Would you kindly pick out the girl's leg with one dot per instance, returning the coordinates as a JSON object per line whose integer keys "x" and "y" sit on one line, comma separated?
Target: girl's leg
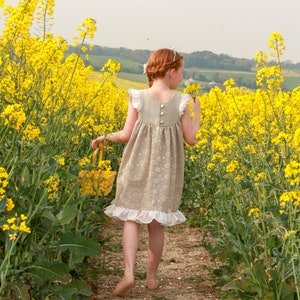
{"x": 155, "y": 250}
{"x": 130, "y": 246}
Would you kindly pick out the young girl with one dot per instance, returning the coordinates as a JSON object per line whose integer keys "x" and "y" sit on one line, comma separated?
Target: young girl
{"x": 150, "y": 177}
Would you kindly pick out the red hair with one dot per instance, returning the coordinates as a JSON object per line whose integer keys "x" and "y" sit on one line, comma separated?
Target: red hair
{"x": 160, "y": 62}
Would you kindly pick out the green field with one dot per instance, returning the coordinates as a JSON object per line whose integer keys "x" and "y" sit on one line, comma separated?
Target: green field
{"x": 125, "y": 84}
{"x": 100, "y": 60}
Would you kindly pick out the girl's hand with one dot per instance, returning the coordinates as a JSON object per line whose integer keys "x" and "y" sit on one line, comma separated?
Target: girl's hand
{"x": 97, "y": 141}
{"x": 196, "y": 105}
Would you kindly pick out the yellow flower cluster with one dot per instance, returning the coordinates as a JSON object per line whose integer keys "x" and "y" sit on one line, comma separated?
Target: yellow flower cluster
{"x": 229, "y": 83}
{"x": 60, "y": 160}
{"x": 30, "y": 133}
{"x": 254, "y": 212}
{"x": 15, "y": 225}
{"x": 110, "y": 68}
{"x": 52, "y": 186}
{"x": 292, "y": 197}
{"x": 9, "y": 204}
{"x": 276, "y": 43}
{"x": 192, "y": 89}
{"x": 45, "y": 7}
{"x": 232, "y": 166}
{"x": 3, "y": 184}
{"x": 3, "y": 180}
{"x": 270, "y": 76}
{"x": 292, "y": 172}
{"x": 86, "y": 29}
{"x": 105, "y": 165}
{"x": 84, "y": 161}
{"x": 14, "y": 116}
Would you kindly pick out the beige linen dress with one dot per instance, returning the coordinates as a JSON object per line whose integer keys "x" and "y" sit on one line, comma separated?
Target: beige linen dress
{"x": 150, "y": 177}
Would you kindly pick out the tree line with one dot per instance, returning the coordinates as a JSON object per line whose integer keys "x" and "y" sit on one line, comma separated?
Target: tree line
{"x": 198, "y": 59}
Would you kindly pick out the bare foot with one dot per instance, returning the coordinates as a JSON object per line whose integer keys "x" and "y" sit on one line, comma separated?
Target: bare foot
{"x": 152, "y": 283}
{"x": 124, "y": 287}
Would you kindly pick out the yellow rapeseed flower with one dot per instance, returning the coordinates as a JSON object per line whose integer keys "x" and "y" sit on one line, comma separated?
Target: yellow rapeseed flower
{"x": 9, "y": 204}
{"x": 23, "y": 217}
{"x": 14, "y": 116}
{"x": 276, "y": 43}
{"x": 30, "y": 132}
{"x": 105, "y": 165}
{"x": 292, "y": 197}
{"x": 11, "y": 220}
{"x": 87, "y": 28}
{"x": 193, "y": 89}
{"x": 24, "y": 228}
{"x": 254, "y": 212}
{"x": 238, "y": 178}
{"x": 5, "y": 227}
{"x": 13, "y": 236}
{"x": 232, "y": 166}
{"x": 84, "y": 161}
{"x": 261, "y": 58}
{"x": 110, "y": 68}
{"x": 210, "y": 166}
{"x": 193, "y": 158}
{"x": 15, "y": 225}
{"x": 53, "y": 186}
{"x": 292, "y": 172}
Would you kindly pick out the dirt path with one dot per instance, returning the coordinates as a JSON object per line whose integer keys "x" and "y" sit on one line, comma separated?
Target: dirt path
{"x": 185, "y": 271}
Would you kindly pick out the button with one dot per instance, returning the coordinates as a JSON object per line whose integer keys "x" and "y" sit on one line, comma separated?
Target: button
{"x": 162, "y": 113}
{"x": 161, "y": 121}
{"x": 162, "y": 106}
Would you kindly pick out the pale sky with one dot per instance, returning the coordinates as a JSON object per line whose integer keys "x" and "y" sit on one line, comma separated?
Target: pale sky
{"x": 238, "y": 28}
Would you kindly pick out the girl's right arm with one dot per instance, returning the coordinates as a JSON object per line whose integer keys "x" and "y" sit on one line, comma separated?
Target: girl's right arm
{"x": 121, "y": 136}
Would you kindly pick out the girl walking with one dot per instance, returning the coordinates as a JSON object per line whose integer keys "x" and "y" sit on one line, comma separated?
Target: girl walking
{"x": 150, "y": 177}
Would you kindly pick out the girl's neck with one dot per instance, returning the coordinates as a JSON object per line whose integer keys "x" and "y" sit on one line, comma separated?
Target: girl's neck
{"x": 160, "y": 91}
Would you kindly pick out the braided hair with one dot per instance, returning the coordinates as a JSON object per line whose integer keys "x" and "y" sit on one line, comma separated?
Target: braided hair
{"x": 160, "y": 62}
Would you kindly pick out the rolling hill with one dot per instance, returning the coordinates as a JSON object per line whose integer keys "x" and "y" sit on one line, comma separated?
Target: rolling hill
{"x": 203, "y": 67}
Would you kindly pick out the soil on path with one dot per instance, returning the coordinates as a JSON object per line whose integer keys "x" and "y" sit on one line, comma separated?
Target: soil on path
{"x": 185, "y": 271}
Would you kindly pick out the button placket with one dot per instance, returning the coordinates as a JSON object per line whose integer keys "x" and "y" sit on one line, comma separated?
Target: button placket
{"x": 162, "y": 113}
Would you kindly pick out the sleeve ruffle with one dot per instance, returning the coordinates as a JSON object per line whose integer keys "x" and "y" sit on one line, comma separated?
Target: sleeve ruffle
{"x": 185, "y": 98}
{"x": 135, "y": 98}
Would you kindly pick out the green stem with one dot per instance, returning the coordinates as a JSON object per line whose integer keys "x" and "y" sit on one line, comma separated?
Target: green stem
{"x": 5, "y": 265}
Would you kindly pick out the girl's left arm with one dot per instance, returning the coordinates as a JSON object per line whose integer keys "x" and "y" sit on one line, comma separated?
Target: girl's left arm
{"x": 190, "y": 127}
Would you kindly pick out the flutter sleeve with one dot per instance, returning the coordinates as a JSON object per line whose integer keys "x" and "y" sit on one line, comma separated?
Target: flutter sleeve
{"x": 135, "y": 98}
{"x": 185, "y": 98}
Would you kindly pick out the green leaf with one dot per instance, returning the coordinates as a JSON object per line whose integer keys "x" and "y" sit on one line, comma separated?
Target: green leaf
{"x": 76, "y": 241}
{"x": 49, "y": 215}
{"x": 25, "y": 177}
{"x": 67, "y": 215}
{"x": 75, "y": 287}
{"x": 250, "y": 243}
{"x": 288, "y": 292}
{"x": 79, "y": 246}
{"x": 57, "y": 272}
{"x": 274, "y": 274}
{"x": 3, "y": 204}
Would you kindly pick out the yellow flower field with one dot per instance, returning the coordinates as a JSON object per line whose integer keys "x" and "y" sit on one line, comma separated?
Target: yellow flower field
{"x": 241, "y": 178}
